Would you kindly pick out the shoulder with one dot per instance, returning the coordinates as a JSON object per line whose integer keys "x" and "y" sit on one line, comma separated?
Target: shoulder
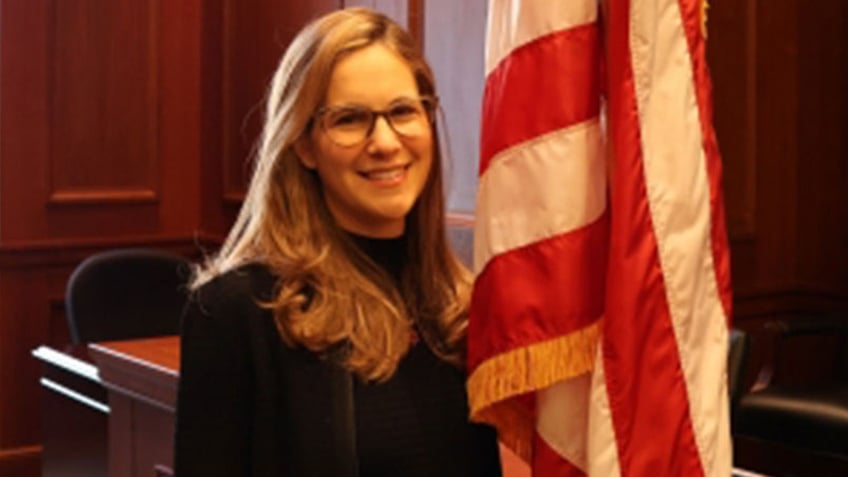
{"x": 225, "y": 317}
{"x": 241, "y": 288}
{"x": 230, "y": 305}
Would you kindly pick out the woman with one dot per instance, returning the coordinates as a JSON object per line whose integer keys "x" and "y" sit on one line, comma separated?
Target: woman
{"x": 326, "y": 338}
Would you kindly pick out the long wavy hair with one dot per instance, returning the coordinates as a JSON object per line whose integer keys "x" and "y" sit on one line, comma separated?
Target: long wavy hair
{"x": 330, "y": 297}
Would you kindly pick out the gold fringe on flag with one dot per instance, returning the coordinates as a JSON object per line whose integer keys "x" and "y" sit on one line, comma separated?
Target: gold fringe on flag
{"x": 704, "y": 7}
{"x": 525, "y": 370}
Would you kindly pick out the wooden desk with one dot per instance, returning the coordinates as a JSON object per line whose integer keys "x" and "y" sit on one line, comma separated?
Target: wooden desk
{"x": 141, "y": 377}
{"x": 75, "y": 414}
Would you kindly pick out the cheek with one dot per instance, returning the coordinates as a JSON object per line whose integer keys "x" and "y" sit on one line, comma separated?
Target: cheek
{"x": 333, "y": 162}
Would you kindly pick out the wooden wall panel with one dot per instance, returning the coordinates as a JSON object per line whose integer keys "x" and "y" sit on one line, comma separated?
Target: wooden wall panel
{"x": 777, "y": 143}
{"x": 25, "y": 295}
{"x": 100, "y": 123}
{"x": 24, "y": 146}
{"x": 99, "y": 148}
{"x": 215, "y": 218}
{"x": 733, "y": 24}
{"x": 178, "y": 106}
{"x": 822, "y": 164}
{"x": 103, "y": 115}
{"x": 24, "y": 136}
{"x": 242, "y": 42}
{"x": 255, "y": 34}
{"x": 780, "y": 115}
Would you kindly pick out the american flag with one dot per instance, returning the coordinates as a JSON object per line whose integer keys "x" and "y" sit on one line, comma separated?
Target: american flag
{"x": 598, "y": 331}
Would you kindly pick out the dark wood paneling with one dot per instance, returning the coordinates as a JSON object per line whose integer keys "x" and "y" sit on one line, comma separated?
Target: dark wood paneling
{"x": 100, "y": 119}
{"x": 24, "y": 136}
{"x": 24, "y": 308}
{"x": 254, "y": 36}
{"x": 777, "y": 144}
{"x": 103, "y": 114}
{"x": 99, "y": 148}
{"x": 179, "y": 110}
{"x": 733, "y": 26}
{"x": 215, "y": 217}
{"x": 780, "y": 114}
{"x": 822, "y": 154}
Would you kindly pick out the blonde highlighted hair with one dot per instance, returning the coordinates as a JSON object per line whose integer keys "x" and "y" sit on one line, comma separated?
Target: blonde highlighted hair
{"x": 329, "y": 295}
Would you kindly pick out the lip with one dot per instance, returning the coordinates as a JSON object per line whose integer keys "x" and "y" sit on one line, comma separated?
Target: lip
{"x": 386, "y": 176}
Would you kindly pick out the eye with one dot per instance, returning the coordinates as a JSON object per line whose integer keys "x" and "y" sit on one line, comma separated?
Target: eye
{"x": 348, "y": 118}
{"x": 405, "y": 111}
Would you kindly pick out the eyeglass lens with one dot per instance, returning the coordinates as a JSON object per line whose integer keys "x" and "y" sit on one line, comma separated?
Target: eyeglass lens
{"x": 351, "y": 125}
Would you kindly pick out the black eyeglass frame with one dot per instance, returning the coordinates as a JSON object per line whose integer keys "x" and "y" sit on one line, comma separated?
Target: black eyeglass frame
{"x": 430, "y": 105}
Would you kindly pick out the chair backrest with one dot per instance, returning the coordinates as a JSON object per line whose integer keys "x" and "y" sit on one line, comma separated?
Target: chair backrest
{"x": 126, "y": 293}
{"x": 737, "y": 361}
{"x": 828, "y": 334}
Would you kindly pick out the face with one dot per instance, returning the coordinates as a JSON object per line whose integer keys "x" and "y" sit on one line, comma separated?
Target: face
{"x": 371, "y": 186}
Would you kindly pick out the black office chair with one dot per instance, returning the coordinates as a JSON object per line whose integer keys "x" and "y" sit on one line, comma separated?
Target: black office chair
{"x": 737, "y": 363}
{"x": 808, "y": 417}
{"x": 126, "y": 293}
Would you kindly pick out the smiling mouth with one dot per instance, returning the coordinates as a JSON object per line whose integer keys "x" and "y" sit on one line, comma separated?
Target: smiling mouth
{"x": 383, "y": 175}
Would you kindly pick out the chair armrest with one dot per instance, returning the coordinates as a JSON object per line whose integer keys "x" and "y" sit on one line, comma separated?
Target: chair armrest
{"x": 777, "y": 332}
{"x": 824, "y": 325}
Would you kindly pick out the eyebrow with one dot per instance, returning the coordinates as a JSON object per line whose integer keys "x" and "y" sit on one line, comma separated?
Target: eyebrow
{"x": 361, "y": 105}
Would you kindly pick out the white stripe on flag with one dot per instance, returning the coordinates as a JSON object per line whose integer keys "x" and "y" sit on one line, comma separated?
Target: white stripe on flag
{"x": 541, "y": 188}
{"x": 528, "y": 20}
{"x": 562, "y": 420}
{"x": 601, "y": 448}
{"x": 679, "y": 198}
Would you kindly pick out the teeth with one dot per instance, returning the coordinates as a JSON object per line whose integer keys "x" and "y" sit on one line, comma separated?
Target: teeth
{"x": 385, "y": 175}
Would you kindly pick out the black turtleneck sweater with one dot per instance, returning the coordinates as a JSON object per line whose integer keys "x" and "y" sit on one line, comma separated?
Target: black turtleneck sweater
{"x": 416, "y": 422}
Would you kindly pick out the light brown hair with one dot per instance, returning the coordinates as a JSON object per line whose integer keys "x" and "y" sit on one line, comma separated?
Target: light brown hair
{"x": 330, "y": 296}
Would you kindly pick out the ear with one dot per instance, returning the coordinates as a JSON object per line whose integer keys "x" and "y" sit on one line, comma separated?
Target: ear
{"x": 304, "y": 149}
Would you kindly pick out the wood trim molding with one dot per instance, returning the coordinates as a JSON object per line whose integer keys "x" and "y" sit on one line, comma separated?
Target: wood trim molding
{"x": 37, "y": 253}
{"x": 103, "y": 197}
{"x": 23, "y": 460}
{"x": 786, "y": 302}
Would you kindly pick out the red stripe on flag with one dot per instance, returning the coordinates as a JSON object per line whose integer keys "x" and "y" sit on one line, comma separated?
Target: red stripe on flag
{"x": 547, "y": 462}
{"x": 547, "y": 84}
{"x": 541, "y": 291}
{"x": 691, "y": 11}
{"x": 645, "y": 383}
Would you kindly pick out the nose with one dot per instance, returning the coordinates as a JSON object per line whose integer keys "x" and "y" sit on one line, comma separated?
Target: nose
{"x": 384, "y": 140}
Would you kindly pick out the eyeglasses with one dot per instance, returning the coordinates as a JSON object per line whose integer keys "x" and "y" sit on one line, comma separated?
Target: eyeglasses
{"x": 349, "y": 126}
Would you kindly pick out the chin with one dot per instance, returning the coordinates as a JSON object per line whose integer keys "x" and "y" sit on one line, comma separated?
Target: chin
{"x": 397, "y": 214}
{"x": 393, "y": 213}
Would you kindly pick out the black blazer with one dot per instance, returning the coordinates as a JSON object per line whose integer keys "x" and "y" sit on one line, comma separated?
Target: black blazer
{"x": 248, "y": 405}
